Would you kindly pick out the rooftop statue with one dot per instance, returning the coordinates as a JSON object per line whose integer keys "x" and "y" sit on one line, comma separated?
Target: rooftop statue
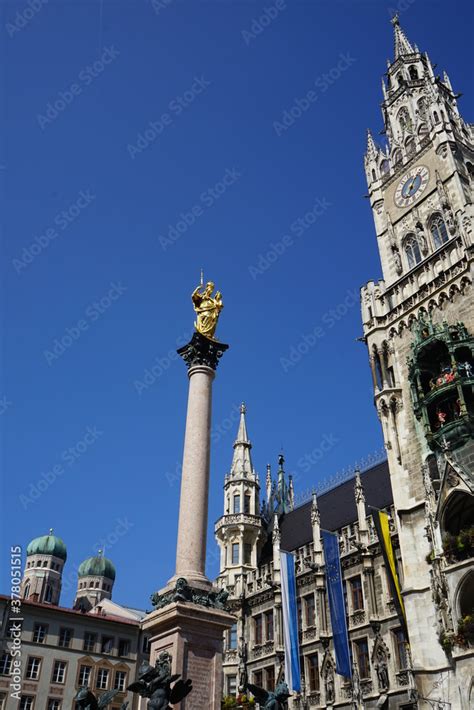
{"x": 156, "y": 683}
{"x": 269, "y": 700}
{"x": 207, "y": 307}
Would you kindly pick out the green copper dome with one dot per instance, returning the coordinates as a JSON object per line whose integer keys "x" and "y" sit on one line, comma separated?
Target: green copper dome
{"x": 98, "y": 566}
{"x": 47, "y": 545}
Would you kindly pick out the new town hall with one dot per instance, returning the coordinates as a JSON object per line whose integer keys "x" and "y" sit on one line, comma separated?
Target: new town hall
{"x": 418, "y": 324}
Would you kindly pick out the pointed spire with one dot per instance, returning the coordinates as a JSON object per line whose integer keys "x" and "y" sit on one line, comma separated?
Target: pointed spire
{"x": 241, "y": 460}
{"x": 446, "y": 81}
{"x": 402, "y": 45}
{"x": 268, "y": 481}
{"x": 291, "y": 492}
{"x": 315, "y": 516}
{"x": 372, "y": 149}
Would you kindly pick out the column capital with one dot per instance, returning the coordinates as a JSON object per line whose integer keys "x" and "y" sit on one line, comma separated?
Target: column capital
{"x": 202, "y": 351}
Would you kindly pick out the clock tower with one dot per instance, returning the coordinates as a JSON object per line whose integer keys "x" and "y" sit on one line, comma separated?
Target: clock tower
{"x": 419, "y": 329}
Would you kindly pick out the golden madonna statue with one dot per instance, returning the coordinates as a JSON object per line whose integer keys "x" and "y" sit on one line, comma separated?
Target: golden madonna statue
{"x": 207, "y": 309}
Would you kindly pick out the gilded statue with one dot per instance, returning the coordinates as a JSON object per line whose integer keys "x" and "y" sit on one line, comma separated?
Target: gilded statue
{"x": 208, "y": 308}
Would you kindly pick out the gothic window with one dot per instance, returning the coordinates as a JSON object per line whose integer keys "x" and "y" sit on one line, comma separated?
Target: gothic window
{"x": 310, "y": 610}
{"x": 378, "y": 367}
{"x": 374, "y": 175}
{"x": 269, "y": 625}
{"x": 384, "y": 167}
{"x": 412, "y": 251}
{"x": 233, "y": 636}
{"x": 404, "y": 119}
{"x": 313, "y": 672}
{"x": 27, "y": 591}
{"x": 400, "y": 649}
{"x": 412, "y": 70}
{"x": 362, "y": 650}
{"x": 423, "y": 130}
{"x": 466, "y": 595}
{"x": 435, "y": 117}
{"x": 247, "y": 553}
{"x": 397, "y": 156}
{"x": 410, "y": 146}
{"x": 357, "y": 596}
{"x": 400, "y": 79}
{"x": 237, "y": 504}
{"x": 438, "y": 230}
{"x": 458, "y": 514}
{"x": 258, "y": 627}
{"x": 247, "y": 500}
{"x": 235, "y": 553}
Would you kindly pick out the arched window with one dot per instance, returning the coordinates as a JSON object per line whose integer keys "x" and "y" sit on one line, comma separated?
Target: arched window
{"x": 401, "y": 79}
{"x": 438, "y": 230}
{"x": 410, "y": 146}
{"x": 436, "y": 117}
{"x": 48, "y": 595}
{"x": 413, "y": 72}
{"x": 374, "y": 175}
{"x": 27, "y": 591}
{"x": 422, "y": 107}
{"x": 385, "y": 167}
{"x": 404, "y": 119}
{"x": 412, "y": 250}
{"x": 397, "y": 156}
{"x": 423, "y": 130}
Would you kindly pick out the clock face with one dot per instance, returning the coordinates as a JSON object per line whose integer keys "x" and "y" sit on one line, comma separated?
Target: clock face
{"x": 411, "y": 186}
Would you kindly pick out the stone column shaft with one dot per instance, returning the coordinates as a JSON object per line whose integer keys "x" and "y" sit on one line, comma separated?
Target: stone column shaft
{"x": 193, "y": 507}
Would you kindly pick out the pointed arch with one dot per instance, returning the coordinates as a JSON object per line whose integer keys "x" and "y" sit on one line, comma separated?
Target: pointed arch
{"x": 412, "y": 250}
{"x": 439, "y": 232}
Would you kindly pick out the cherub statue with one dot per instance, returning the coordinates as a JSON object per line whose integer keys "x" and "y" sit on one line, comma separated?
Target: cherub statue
{"x": 155, "y": 683}
{"x": 86, "y": 699}
{"x": 208, "y": 308}
{"x": 271, "y": 700}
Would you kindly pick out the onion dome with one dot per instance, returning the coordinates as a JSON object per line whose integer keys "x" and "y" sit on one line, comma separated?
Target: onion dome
{"x": 98, "y": 566}
{"x": 47, "y": 545}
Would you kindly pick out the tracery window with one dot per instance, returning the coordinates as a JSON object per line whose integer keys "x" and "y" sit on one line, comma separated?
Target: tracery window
{"x": 438, "y": 230}
{"x": 412, "y": 251}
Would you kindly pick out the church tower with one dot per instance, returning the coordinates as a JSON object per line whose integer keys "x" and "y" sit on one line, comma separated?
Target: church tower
{"x": 45, "y": 559}
{"x": 239, "y": 530}
{"x": 419, "y": 329}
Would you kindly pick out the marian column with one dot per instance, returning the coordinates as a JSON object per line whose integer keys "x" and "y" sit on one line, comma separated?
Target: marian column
{"x": 187, "y": 625}
{"x": 201, "y": 356}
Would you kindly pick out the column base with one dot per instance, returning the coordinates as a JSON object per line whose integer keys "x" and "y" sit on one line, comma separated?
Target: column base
{"x": 193, "y": 635}
{"x": 197, "y": 581}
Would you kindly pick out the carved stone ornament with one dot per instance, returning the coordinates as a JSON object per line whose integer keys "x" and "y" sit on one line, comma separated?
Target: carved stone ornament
{"x": 202, "y": 351}
{"x": 182, "y": 592}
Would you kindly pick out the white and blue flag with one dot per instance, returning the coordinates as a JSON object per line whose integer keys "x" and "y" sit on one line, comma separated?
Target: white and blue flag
{"x": 290, "y": 621}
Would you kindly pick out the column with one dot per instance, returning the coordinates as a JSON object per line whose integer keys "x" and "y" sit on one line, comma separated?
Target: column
{"x": 201, "y": 357}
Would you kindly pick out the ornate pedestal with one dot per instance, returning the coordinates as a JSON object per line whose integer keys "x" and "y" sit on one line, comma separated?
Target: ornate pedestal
{"x": 192, "y": 634}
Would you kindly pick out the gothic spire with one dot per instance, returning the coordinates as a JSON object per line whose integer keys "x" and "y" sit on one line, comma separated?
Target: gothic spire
{"x": 402, "y": 45}
{"x": 372, "y": 149}
{"x": 241, "y": 460}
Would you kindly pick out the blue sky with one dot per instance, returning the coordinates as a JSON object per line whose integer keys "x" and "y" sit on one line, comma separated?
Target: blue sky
{"x": 142, "y": 141}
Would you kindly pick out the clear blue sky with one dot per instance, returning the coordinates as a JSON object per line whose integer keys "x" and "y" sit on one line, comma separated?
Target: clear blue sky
{"x": 90, "y": 209}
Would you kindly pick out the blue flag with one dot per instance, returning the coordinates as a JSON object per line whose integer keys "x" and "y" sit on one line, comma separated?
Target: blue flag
{"x": 336, "y": 603}
{"x": 290, "y": 621}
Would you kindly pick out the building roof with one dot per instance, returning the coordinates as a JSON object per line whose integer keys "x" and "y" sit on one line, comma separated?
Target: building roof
{"x": 47, "y": 545}
{"x": 337, "y": 507}
{"x": 90, "y": 616}
{"x": 98, "y": 566}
